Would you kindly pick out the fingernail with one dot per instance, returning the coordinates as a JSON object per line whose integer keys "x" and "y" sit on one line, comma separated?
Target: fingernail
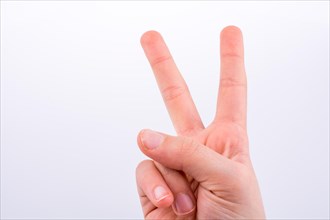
{"x": 160, "y": 193}
{"x": 183, "y": 203}
{"x": 151, "y": 139}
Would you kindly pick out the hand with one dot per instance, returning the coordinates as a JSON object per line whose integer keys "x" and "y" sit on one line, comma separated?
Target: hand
{"x": 204, "y": 173}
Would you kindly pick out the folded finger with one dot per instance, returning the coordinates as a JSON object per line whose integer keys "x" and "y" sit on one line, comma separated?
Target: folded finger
{"x": 153, "y": 190}
{"x": 184, "y": 200}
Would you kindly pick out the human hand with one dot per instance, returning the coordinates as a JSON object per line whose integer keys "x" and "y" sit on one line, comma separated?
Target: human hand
{"x": 204, "y": 173}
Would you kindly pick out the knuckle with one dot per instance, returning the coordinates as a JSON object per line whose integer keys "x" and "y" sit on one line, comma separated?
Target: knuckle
{"x": 231, "y": 82}
{"x": 160, "y": 60}
{"x": 185, "y": 144}
{"x": 188, "y": 148}
{"x": 233, "y": 54}
{"x": 173, "y": 92}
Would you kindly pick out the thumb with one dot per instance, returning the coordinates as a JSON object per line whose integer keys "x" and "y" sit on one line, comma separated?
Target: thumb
{"x": 184, "y": 154}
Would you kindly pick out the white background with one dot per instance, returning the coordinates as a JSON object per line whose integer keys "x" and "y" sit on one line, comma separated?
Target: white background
{"x": 76, "y": 89}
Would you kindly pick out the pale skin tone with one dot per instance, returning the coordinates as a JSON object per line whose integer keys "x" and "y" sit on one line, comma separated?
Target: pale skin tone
{"x": 204, "y": 172}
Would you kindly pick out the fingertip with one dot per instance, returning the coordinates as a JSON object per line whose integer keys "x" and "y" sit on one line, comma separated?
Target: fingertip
{"x": 138, "y": 137}
{"x": 151, "y": 184}
{"x": 143, "y": 139}
{"x": 150, "y": 37}
{"x": 150, "y": 139}
{"x": 184, "y": 205}
{"x": 231, "y": 43}
{"x": 231, "y": 30}
{"x": 165, "y": 201}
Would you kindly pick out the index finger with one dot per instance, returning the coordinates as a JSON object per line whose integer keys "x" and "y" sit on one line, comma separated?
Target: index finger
{"x": 172, "y": 86}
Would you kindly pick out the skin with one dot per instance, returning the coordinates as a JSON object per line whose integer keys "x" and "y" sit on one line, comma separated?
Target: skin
{"x": 204, "y": 172}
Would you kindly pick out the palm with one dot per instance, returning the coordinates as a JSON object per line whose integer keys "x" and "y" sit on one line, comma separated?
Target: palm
{"x": 226, "y": 134}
